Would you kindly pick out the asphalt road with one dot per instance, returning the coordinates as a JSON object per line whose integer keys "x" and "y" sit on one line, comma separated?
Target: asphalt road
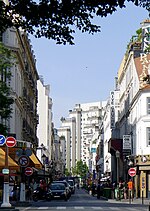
{"x": 81, "y": 200}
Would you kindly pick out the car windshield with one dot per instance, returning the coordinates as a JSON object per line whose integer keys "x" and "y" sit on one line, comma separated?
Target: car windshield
{"x": 62, "y": 182}
{"x": 71, "y": 183}
{"x": 57, "y": 187}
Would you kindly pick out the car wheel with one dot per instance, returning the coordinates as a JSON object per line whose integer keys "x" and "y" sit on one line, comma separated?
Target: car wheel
{"x": 48, "y": 198}
{"x": 35, "y": 198}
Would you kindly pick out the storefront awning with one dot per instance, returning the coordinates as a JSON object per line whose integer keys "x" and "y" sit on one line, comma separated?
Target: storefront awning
{"x": 35, "y": 160}
{"x": 114, "y": 145}
{"x": 11, "y": 163}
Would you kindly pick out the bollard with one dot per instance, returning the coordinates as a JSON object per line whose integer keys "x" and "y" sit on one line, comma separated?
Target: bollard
{"x": 129, "y": 196}
{"x": 142, "y": 198}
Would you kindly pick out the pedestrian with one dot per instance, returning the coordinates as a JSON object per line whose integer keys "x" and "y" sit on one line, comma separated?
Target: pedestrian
{"x": 43, "y": 187}
{"x": 33, "y": 186}
{"x": 130, "y": 189}
{"x": 98, "y": 190}
{"x": 93, "y": 188}
{"x": 125, "y": 190}
{"x": 14, "y": 192}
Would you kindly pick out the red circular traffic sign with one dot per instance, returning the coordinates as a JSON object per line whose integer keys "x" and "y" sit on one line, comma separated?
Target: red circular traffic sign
{"x": 28, "y": 171}
{"x": 132, "y": 172}
{"x": 10, "y": 141}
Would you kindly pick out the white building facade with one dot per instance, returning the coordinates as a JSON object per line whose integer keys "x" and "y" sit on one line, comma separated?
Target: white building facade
{"x": 44, "y": 129}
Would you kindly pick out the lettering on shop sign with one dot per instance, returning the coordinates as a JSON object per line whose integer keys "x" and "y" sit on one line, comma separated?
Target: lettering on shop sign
{"x": 145, "y": 75}
{"x": 127, "y": 142}
{"x": 112, "y": 110}
{"x": 146, "y": 37}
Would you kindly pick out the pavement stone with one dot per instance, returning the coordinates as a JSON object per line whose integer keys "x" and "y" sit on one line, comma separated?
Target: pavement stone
{"x": 145, "y": 201}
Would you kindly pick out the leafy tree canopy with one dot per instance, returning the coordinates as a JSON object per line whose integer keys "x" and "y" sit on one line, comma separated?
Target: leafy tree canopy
{"x": 81, "y": 168}
{"x": 67, "y": 173}
{"x": 58, "y": 19}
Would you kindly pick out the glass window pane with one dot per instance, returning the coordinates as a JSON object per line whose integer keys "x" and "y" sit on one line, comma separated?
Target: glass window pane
{"x": 148, "y": 136}
{"x": 148, "y": 105}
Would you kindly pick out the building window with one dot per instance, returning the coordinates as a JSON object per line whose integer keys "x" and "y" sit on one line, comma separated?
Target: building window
{"x": 148, "y": 105}
{"x": 148, "y": 135}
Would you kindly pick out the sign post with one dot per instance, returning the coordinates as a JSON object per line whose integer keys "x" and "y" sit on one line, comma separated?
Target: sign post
{"x": 10, "y": 142}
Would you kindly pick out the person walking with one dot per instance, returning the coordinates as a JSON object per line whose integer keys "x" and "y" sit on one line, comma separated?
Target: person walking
{"x": 93, "y": 188}
{"x": 130, "y": 189}
{"x": 33, "y": 186}
{"x": 98, "y": 190}
{"x": 125, "y": 190}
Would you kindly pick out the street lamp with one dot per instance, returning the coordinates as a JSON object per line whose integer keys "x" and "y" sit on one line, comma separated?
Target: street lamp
{"x": 117, "y": 157}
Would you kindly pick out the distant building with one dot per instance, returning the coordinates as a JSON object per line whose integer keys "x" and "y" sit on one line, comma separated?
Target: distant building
{"x": 84, "y": 121}
{"x": 44, "y": 128}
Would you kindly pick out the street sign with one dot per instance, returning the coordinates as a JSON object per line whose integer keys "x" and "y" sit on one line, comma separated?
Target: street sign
{"x": 28, "y": 152}
{"x": 28, "y": 171}
{"x": 5, "y": 171}
{"x": 132, "y": 172}
{"x": 127, "y": 142}
{"x": 10, "y": 141}
{"x": 2, "y": 140}
{"x": 19, "y": 152}
{"x": 23, "y": 161}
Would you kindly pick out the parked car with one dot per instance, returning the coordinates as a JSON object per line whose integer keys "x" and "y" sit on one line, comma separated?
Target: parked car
{"x": 66, "y": 185}
{"x": 58, "y": 190}
{"x": 72, "y": 186}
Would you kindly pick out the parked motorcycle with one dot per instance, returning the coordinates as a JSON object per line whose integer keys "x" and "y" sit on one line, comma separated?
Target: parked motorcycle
{"x": 39, "y": 194}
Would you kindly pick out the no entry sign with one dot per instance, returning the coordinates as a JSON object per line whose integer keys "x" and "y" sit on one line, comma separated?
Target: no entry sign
{"x": 28, "y": 171}
{"x": 10, "y": 141}
{"x": 132, "y": 172}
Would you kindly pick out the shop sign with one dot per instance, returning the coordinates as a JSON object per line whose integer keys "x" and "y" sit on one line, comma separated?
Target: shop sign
{"x": 112, "y": 110}
{"x": 5, "y": 171}
{"x": 126, "y": 142}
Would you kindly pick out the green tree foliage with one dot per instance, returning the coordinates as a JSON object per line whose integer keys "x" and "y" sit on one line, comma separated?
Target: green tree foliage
{"x": 81, "y": 169}
{"x": 67, "y": 173}
{"x": 5, "y": 99}
{"x": 58, "y": 19}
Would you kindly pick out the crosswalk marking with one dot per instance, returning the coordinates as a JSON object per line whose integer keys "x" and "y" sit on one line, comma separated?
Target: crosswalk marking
{"x": 84, "y": 208}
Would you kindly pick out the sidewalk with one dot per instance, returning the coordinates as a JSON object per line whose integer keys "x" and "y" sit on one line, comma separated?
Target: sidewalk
{"x": 146, "y": 201}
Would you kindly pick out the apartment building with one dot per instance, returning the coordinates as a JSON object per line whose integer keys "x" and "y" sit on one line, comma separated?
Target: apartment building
{"x": 23, "y": 123}
{"x": 130, "y": 136}
{"x": 44, "y": 128}
{"x": 85, "y": 120}
{"x": 67, "y": 134}
{"x": 65, "y": 140}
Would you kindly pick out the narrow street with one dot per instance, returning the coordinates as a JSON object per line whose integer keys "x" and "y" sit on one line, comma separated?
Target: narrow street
{"x": 81, "y": 200}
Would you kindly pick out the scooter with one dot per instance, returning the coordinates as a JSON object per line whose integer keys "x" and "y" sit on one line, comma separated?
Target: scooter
{"x": 39, "y": 194}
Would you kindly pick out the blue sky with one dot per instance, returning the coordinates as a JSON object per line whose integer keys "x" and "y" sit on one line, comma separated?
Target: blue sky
{"x": 86, "y": 72}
